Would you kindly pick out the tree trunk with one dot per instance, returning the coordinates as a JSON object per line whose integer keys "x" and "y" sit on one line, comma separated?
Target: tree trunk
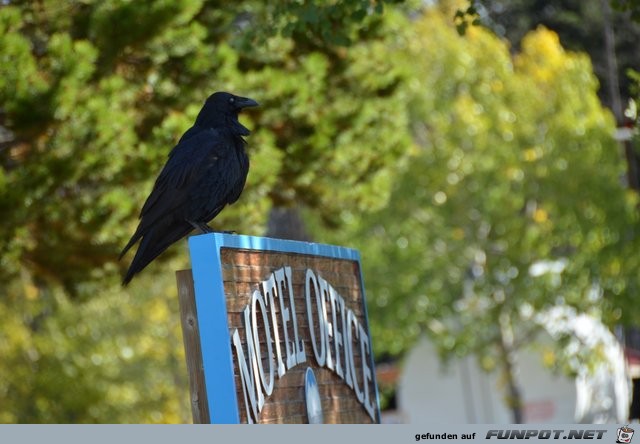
{"x": 513, "y": 396}
{"x": 615, "y": 99}
{"x": 286, "y": 223}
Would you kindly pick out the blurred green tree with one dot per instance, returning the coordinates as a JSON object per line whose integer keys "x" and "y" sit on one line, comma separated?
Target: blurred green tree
{"x": 93, "y": 95}
{"x": 90, "y": 111}
{"x": 511, "y": 201}
{"x": 514, "y": 202}
{"x": 581, "y": 26}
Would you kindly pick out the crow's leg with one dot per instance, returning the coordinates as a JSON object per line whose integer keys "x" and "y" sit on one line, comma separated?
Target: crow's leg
{"x": 193, "y": 224}
{"x": 204, "y": 228}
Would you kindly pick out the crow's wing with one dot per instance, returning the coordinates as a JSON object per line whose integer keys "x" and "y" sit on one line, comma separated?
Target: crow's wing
{"x": 188, "y": 162}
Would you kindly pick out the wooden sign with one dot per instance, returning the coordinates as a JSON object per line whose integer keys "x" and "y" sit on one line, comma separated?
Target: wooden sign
{"x": 283, "y": 332}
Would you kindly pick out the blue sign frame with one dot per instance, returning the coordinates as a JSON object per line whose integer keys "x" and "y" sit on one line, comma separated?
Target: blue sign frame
{"x": 217, "y": 358}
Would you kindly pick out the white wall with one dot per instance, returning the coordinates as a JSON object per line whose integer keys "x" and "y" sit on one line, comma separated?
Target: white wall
{"x": 461, "y": 392}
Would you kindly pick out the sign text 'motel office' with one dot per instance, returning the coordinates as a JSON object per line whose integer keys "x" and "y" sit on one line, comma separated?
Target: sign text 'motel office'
{"x": 336, "y": 335}
{"x": 283, "y": 331}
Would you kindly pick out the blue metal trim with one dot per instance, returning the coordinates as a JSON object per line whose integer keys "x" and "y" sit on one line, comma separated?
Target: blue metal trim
{"x": 211, "y": 310}
{"x": 287, "y": 246}
{"x": 217, "y": 357}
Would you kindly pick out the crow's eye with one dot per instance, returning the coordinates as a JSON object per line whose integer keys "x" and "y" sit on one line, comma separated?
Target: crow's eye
{"x": 231, "y": 99}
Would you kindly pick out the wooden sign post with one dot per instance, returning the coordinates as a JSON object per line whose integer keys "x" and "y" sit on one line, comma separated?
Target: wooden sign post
{"x": 276, "y": 331}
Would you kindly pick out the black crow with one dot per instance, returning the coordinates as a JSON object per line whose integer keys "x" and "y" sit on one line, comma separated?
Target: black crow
{"x": 205, "y": 171}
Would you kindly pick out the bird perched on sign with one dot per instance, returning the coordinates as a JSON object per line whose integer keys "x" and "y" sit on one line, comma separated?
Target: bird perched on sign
{"x": 205, "y": 171}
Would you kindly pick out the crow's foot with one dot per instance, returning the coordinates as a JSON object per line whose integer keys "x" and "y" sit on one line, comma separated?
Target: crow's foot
{"x": 204, "y": 228}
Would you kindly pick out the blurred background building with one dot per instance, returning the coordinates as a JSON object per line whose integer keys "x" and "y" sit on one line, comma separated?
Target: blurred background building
{"x": 431, "y": 391}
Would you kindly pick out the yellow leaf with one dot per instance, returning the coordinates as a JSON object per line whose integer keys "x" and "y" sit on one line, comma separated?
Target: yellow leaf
{"x": 540, "y": 215}
{"x": 548, "y": 358}
{"x": 532, "y": 154}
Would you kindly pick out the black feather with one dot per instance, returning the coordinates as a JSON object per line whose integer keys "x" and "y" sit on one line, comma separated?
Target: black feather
{"x": 205, "y": 172}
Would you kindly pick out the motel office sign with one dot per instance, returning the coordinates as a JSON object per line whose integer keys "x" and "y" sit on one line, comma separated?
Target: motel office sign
{"x": 283, "y": 331}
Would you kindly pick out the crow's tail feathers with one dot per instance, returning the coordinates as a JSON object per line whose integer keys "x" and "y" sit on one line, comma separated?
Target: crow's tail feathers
{"x": 137, "y": 235}
{"x": 153, "y": 243}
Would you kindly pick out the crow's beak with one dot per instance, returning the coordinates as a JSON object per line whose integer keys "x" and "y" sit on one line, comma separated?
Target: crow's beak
{"x": 244, "y": 102}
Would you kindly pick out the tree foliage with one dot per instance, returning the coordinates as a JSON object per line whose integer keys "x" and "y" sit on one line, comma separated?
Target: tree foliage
{"x": 454, "y": 167}
{"x": 92, "y": 112}
{"x": 512, "y": 203}
{"x": 93, "y": 96}
{"x": 580, "y": 25}
{"x": 116, "y": 358}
